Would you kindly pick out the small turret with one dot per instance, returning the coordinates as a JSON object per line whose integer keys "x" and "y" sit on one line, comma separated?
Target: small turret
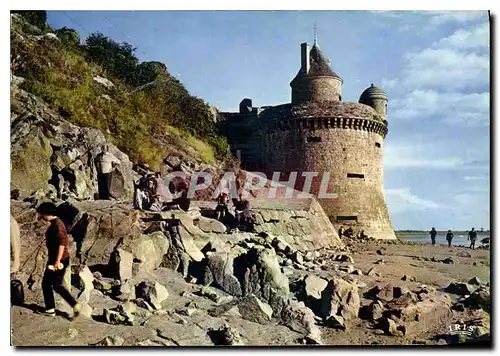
{"x": 315, "y": 81}
{"x": 376, "y": 98}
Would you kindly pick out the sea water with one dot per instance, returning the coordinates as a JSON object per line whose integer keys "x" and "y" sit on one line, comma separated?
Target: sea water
{"x": 458, "y": 239}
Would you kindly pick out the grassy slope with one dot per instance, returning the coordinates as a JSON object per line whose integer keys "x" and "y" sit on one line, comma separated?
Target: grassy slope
{"x": 135, "y": 121}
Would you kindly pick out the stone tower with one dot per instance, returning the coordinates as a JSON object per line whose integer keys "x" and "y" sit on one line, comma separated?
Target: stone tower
{"x": 319, "y": 133}
{"x": 315, "y": 81}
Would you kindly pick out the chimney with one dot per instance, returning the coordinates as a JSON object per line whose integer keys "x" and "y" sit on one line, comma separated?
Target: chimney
{"x": 304, "y": 56}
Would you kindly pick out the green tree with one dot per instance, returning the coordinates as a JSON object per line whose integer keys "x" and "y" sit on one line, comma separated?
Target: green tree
{"x": 118, "y": 59}
{"x": 68, "y": 37}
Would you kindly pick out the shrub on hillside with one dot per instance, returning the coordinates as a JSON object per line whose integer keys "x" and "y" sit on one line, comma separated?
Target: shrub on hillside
{"x": 117, "y": 59}
{"x": 35, "y": 18}
{"x": 135, "y": 120}
{"x": 68, "y": 36}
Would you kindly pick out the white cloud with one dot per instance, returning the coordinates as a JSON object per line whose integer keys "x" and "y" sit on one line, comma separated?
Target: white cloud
{"x": 435, "y": 155}
{"x": 466, "y": 109}
{"x": 392, "y": 13}
{"x": 472, "y": 207}
{"x": 402, "y": 200}
{"x": 465, "y": 38}
{"x": 416, "y": 156}
{"x": 446, "y": 69}
{"x": 405, "y": 162}
{"x": 447, "y": 81}
{"x": 388, "y": 84}
{"x": 425, "y": 21}
{"x": 475, "y": 178}
{"x": 438, "y": 18}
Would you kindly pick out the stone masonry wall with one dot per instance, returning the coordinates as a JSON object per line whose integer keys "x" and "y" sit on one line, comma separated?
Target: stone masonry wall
{"x": 302, "y": 229}
{"x": 316, "y": 89}
{"x": 340, "y": 151}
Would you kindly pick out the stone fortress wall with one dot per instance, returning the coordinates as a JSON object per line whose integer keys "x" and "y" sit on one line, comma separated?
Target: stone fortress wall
{"x": 318, "y": 132}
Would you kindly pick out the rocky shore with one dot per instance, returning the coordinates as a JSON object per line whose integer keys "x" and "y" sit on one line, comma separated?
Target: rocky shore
{"x": 290, "y": 281}
{"x": 141, "y": 286}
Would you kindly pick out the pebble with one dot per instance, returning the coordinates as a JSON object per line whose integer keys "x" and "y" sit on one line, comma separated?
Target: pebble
{"x": 72, "y": 333}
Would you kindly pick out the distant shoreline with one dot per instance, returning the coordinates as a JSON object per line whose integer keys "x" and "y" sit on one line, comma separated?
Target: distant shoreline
{"x": 415, "y": 232}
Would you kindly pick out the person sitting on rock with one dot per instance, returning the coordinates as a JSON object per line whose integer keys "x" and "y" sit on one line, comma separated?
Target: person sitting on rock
{"x": 222, "y": 210}
{"x": 142, "y": 199}
{"x": 242, "y": 214}
{"x": 57, "y": 241}
{"x": 341, "y": 231}
{"x": 105, "y": 161}
{"x": 349, "y": 232}
{"x": 362, "y": 235}
{"x": 180, "y": 185}
{"x": 449, "y": 237}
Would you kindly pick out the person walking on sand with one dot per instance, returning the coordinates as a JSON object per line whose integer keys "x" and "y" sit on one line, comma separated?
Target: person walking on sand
{"x": 433, "y": 234}
{"x": 472, "y": 236}
{"x": 57, "y": 241}
{"x": 449, "y": 237}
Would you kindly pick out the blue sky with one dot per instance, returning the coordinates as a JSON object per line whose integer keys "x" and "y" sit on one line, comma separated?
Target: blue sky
{"x": 434, "y": 67}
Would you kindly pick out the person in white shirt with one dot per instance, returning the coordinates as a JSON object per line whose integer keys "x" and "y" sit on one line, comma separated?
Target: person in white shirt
{"x": 104, "y": 163}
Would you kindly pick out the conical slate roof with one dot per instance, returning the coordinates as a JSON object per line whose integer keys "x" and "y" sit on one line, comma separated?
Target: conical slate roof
{"x": 319, "y": 64}
{"x": 371, "y": 93}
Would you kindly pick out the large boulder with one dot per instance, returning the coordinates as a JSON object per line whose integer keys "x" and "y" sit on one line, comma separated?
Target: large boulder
{"x": 340, "y": 298}
{"x": 480, "y": 298}
{"x": 210, "y": 225}
{"x": 102, "y": 226}
{"x": 32, "y": 250}
{"x": 251, "y": 308}
{"x": 86, "y": 284}
{"x": 418, "y": 316}
{"x": 222, "y": 267}
{"x": 121, "y": 265}
{"x": 263, "y": 277}
{"x": 297, "y": 317}
{"x": 30, "y": 161}
{"x": 475, "y": 281}
{"x": 459, "y": 288}
{"x": 242, "y": 273}
{"x": 147, "y": 250}
{"x": 225, "y": 335}
{"x": 45, "y": 147}
{"x": 314, "y": 286}
{"x": 154, "y": 294}
{"x": 387, "y": 292}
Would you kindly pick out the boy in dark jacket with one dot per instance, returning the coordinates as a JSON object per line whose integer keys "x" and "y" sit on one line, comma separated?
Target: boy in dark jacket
{"x": 57, "y": 242}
